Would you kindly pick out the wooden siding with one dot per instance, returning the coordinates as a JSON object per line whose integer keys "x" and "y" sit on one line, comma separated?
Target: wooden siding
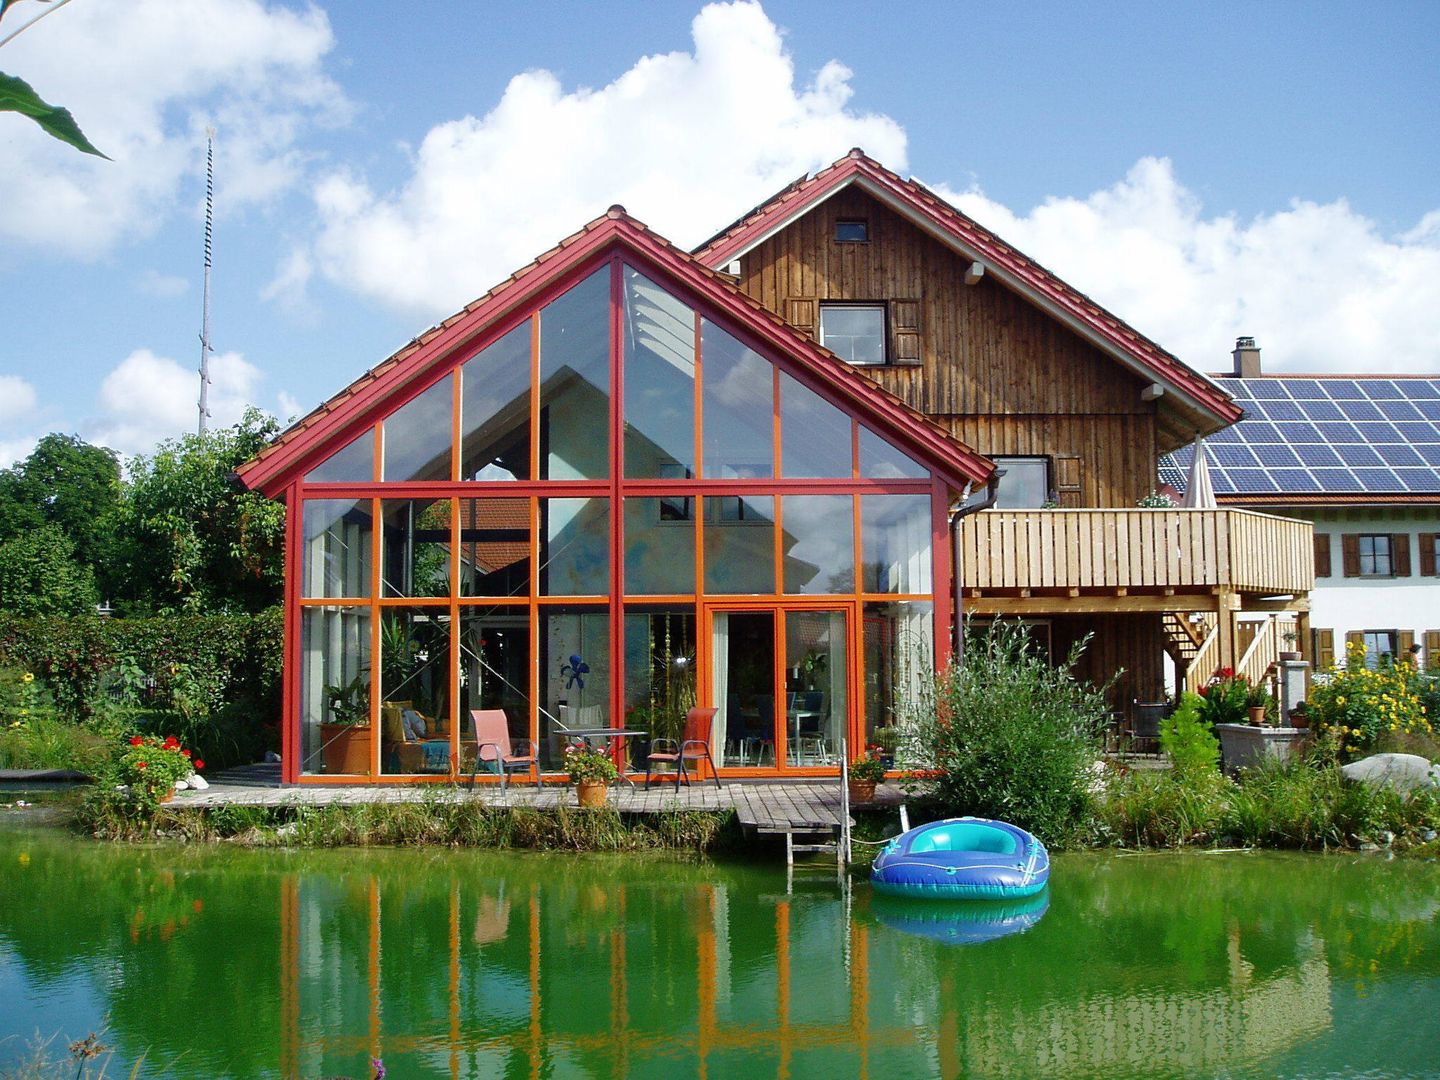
{"x": 1136, "y": 549}
{"x": 1003, "y": 375}
{"x": 1132, "y": 645}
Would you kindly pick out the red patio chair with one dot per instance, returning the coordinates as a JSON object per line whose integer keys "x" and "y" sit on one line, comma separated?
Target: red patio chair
{"x": 694, "y": 747}
{"x": 493, "y": 747}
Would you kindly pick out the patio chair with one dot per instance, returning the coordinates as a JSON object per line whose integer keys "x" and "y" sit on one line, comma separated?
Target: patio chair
{"x": 493, "y": 747}
{"x": 1145, "y": 717}
{"x": 694, "y": 747}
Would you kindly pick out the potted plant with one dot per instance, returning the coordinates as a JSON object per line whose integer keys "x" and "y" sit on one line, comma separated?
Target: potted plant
{"x": 592, "y": 772}
{"x": 865, "y": 773}
{"x": 887, "y": 741}
{"x": 1257, "y": 702}
{"x": 150, "y": 767}
{"x": 1290, "y": 652}
{"x": 345, "y": 737}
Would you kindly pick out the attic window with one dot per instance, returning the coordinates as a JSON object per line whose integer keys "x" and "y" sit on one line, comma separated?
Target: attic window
{"x": 854, "y": 332}
{"x": 852, "y": 231}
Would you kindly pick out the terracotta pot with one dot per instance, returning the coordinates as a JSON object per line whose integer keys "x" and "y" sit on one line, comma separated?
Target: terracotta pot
{"x": 861, "y": 791}
{"x": 592, "y": 793}
{"x": 347, "y": 748}
{"x": 1300, "y": 719}
{"x": 169, "y": 796}
{"x": 1289, "y": 654}
{"x": 1257, "y": 715}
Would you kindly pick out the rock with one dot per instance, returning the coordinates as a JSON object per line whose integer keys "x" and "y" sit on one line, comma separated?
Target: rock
{"x": 1402, "y": 772}
{"x": 1429, "y": 835}
{"x": 182, "y": 785}
{"x": 1368, "y": 846}
{"x": 197, "y": 782}
{"x": 1386, "y": 838}
{"x": 272, "y": 758}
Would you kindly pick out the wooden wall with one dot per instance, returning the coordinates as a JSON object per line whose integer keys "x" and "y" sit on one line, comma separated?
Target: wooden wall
{"x": 1133, "y": 642}
{"x": 1005, "y": 377}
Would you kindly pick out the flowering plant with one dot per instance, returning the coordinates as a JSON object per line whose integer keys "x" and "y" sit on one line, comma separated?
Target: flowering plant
{"x": 151, "y": 765}
{"x": 1358, "y": 707}
{"x": 585, "y": 764}
{"x": 868, "y": 769}
{"x": 1225, "y": 697}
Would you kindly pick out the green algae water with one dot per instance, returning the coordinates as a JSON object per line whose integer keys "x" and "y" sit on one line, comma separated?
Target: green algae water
{"x": 234, "y": 963}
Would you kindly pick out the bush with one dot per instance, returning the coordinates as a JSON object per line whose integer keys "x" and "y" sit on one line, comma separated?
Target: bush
{"x": 1225, "y": 698}
{"x": 1012, "y": 736}
{"x": 1188, "y": 741}
{"x": 1158, "y": 809}
{"x": 1359, "y": 707}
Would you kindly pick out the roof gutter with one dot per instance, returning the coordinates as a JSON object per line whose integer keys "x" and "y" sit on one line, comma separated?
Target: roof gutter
{"x": 957, "y": 581}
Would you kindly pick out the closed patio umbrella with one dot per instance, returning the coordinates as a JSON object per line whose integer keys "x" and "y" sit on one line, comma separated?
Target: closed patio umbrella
{"x": 1199, "y": 492}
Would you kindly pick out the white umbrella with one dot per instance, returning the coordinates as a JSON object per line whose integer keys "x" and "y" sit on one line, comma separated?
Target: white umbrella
{"x": 1199, "y": 492}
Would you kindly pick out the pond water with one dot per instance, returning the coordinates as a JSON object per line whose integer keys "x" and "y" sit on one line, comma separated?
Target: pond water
{"x": 475, "y": 964}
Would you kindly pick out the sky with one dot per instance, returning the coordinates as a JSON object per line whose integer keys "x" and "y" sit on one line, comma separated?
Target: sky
{"x": 1202, "y": 170}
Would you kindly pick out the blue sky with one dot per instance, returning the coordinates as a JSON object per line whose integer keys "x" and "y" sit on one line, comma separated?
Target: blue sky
{"x": 1203, "y": 170}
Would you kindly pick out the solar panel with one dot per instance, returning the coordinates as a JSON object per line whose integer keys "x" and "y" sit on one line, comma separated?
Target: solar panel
{"x": 1379, "y": 480}
{"x": 1228, "y": 457}
{"x": 1264, "y": 388}
{"x": 1418, "y": 431}
{"x": 1221, "y": 482}
{"x": 1417, "y": 389}
{"x": 1298, "y": 433}
{"x": 1361, "y": 410}
{"x": 1251, "y": 479}
{"x": 1337, "y": 480}
{"x": 1304, "y": 389}
{"x": 1378, "y": 389}
{"x": 1344, "y": 390}
{"x": 1378, "y": 433}
{"x": 1322, "y": 410}
{"x": 1399, "y": 454}
{"x": 1318, "y": 456}
{"x": 1294, "y": 480}
{"x": 1254, "y": 410}
{"x": 1257, "y": 432}
{"x": 1399, "y": 410}
{"x": 1285, "y": 410}
{"x": 1358, "y": 455}
{"x": 1274, "y": 457}
{"x": 1224, "y": 435}
{"x": 1430, "y": 453}
{"x": 1426, "y": 480}
{"x": 1429, "y": 409}
{"x": 1339, "y": 433}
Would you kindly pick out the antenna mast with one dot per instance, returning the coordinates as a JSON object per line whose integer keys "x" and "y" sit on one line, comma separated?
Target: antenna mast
{"x": 205, "y": 349}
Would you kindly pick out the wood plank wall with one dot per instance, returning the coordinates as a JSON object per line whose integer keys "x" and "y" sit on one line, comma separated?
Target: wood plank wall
{"x": 1005, "y": 377}
{"x": 1134, "y": 643}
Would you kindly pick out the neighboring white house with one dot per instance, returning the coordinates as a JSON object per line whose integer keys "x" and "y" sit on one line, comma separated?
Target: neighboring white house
{"x": 1360, "y": 458}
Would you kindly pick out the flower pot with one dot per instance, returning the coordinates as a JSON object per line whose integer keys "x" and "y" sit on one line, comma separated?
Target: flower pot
{"x": 1289, "y": 654}
{"x": 1257, "y": 715}
{"x": 861, "y": 791}
{"x": 1299, "y": 718}
{"x": 347, "y": 748}
{"x": 591, "y": 793}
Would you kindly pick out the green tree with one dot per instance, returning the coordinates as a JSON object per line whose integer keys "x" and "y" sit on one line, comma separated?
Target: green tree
{"x": 39, "y": 575}
{"x": 190, "y": 538}
{"x": 16, "y": 95}
{"x": 68, "y": 483}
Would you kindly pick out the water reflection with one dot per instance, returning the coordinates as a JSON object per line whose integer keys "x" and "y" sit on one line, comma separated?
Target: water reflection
{"x": 960, "y": 922}
{"x": 479, "y": 965}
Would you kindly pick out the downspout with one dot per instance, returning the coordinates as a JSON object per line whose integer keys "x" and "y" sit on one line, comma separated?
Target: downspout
{"x": 959, "y": 510}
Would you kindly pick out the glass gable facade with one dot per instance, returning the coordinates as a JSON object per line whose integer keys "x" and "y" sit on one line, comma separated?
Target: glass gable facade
{"x": 609, "y": 513}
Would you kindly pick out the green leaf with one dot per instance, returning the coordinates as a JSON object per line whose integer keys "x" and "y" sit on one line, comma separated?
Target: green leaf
{"x": 16, "y": 95}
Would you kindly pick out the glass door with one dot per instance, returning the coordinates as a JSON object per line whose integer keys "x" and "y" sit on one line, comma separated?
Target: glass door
{"x": 816, "y": 678}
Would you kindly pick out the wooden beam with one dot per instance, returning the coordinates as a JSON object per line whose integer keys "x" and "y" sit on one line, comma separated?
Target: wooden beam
{"x": 974, "y": 273}
{"x": 1297, "y": 604}
{"x": 1088, "y": 605}
{"x": 1152, "y": 392}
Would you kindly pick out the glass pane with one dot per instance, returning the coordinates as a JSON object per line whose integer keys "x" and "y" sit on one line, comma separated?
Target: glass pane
{"x": 574, "y": 675}
{"x": 743, "y": 648}
{"x": 415, "y": 541}
{"x": 659, "y": 673}
{"x": 575, "y": 382}
{"x": 335, "y": 732}
{"x": 416, "y": 436}
{"x": 355, "y": 464}
{"x": 495, "y": 410}
{"x": 336, "y": 549}
{"x": 815, "y": 682}
{"x": 814, "y": 435}
{"x": 881, "y": 461}
{"x": 574, "y": 547}
{"x": 495, "y": 666}
{"x": 740, "y": 545}
{"x": 659, "y": 339}
{"x": 737, "y": 407}
{"x": 494, "y": 547}
{"x": 855, "y": 333}
{"x": 415, "y": 697}
{"x": 899, "y": 644}
{"x": 1025, "y": 485}
{"x": 659, "y": 546}
{"x": 895, "y": 543}
{"x": 818, "y": 543}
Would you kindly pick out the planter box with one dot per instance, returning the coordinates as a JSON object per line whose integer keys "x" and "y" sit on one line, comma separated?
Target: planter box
{"x": 347, "y": 749}
{"x": 1243, "y": 745}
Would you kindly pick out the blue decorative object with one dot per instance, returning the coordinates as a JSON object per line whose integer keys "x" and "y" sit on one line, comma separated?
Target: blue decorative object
{"x": 962, "y": 859}
{"x": 573, "y": 671}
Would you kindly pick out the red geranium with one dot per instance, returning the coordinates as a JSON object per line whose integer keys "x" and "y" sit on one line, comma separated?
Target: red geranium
{"x": 199, "y": 764}
{"x": 136, "y": 740}
{"x": 142, "y": 764}
{"x": 185, "y": 752}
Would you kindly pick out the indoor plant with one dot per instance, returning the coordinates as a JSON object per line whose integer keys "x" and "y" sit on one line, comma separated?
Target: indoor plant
{"x": 865, "y": 773}
{"x": 345, "y": 736}
{"x": 592, "y": 772}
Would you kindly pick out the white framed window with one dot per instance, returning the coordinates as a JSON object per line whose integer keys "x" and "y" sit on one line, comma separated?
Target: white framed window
{"x": 1026, "y": 483}
{"x": 854, "y": 332}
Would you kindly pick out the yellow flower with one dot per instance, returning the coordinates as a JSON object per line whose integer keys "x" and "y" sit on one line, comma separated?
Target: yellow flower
{"x": 28, "y": 677}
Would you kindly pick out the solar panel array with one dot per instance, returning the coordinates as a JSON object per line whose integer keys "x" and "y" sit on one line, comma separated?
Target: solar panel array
{"x": 1324, "y": 436}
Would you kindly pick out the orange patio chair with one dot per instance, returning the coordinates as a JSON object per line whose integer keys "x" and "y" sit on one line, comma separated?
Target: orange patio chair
{"x": 493, "y": 748}
{"x": 694, "y": 747}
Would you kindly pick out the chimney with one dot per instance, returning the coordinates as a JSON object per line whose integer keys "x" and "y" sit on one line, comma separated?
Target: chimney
{"x": 1247, "y": 358}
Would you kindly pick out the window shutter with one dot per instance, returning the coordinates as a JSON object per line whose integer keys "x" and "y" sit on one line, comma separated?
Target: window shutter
{"x": 1432, "y": 650}
{"x": 1324, "y": 642}
{"x": 1400, "y": 545}
{"x": 1322, "y": 554}
{"x": 1427, "y": 554}
{"x": 800, "y": 313}
{"x": 1354, "y": 637}
{"x": 905, "y": 331}
{"x": 1406, "y": 639}
{"x": 1350, "y": 555}
{"x": 1067, "y": 480}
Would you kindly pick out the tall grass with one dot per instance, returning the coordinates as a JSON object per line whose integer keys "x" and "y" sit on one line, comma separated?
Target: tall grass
{"x": 44, "y": 742}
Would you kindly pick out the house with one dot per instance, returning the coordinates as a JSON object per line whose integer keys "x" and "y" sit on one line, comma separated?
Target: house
{"x": 632, "y": 479}
{"x": 1357, "y": 456}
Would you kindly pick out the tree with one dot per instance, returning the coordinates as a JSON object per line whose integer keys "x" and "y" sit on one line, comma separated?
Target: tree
{"x": 39, "y": 575}
{"x": 64, "y": 482}
{"x": 190, "y": 538}
{"x": 16, "y": 95}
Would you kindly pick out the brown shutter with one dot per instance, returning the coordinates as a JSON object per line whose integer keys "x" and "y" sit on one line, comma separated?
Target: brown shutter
{"x": 800, "y": 313}
{"x": 905, "y": 331}
{"x": 1350, "y": 554}
{"x": 1427, "y": 554}
{"x": 1322, "y": 554}
{"x": 1324, "y": 649}
{"x": 1406, "y": 638}
{"x": 1067, "y": 480}
{"x": 1353, "y": 637}
{"x": 1400, "y": 547}
{"x": 1432, "y": 650}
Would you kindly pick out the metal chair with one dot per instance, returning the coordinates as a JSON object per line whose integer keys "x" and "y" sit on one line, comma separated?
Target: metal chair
{"x": 694, "y": 747}
{"x": 493, "y": 747}
{"x": 1145, "y": 717}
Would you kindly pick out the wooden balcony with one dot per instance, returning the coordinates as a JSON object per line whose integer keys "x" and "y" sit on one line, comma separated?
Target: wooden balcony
{"x": 1161, "y": 553}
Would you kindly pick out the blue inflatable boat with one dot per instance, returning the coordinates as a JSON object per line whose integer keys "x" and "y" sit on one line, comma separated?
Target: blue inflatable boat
{"x": 971, "y": 923}
{"x": 962, "y": 859}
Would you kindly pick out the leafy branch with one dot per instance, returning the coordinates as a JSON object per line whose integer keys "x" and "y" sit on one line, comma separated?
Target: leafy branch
{"x": 16, "y": 95}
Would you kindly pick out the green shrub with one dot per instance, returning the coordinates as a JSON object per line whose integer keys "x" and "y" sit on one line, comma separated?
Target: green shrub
{"x": 1160, "y": 809}
{"x": 1225, "y": 698}
{"x": 1187, "y": 740}
{"x": 1013, "y": 736}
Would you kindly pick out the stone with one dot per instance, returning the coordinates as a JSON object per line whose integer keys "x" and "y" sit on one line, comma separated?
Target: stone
{"x": 197, "y": 782}
{"x": 1401, "y": 772}
{"x": 182, "y": 785}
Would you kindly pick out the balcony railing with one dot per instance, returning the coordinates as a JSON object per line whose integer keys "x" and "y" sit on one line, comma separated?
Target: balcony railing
{"x": 1187, "y": 550}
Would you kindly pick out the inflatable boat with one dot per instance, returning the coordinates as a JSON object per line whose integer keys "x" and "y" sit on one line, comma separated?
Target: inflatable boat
{"x": 962, "y": 859}
{"x": 971, "y": 923}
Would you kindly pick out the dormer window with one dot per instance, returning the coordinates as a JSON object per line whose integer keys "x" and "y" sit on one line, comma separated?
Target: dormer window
{"x": 854, "y": 332}
{"x": 852, "y": 231}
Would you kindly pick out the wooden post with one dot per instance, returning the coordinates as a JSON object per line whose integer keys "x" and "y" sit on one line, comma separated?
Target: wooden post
{"x": 1226, "y": 604}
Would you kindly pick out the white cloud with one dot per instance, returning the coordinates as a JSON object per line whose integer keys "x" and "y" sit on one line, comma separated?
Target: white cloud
{"x": 1317, "y": 285}
{"x": 147, "y": 398}
{"x": 289, "y": 407}
{"x": 684, "y": 140}
{"x": 17, "y": 398}
{"x": 143, "y": 80}
{"x": 161, "y": 286}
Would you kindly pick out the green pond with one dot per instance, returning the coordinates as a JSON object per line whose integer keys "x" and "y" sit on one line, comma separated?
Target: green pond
{"x": 215, "y": 962}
